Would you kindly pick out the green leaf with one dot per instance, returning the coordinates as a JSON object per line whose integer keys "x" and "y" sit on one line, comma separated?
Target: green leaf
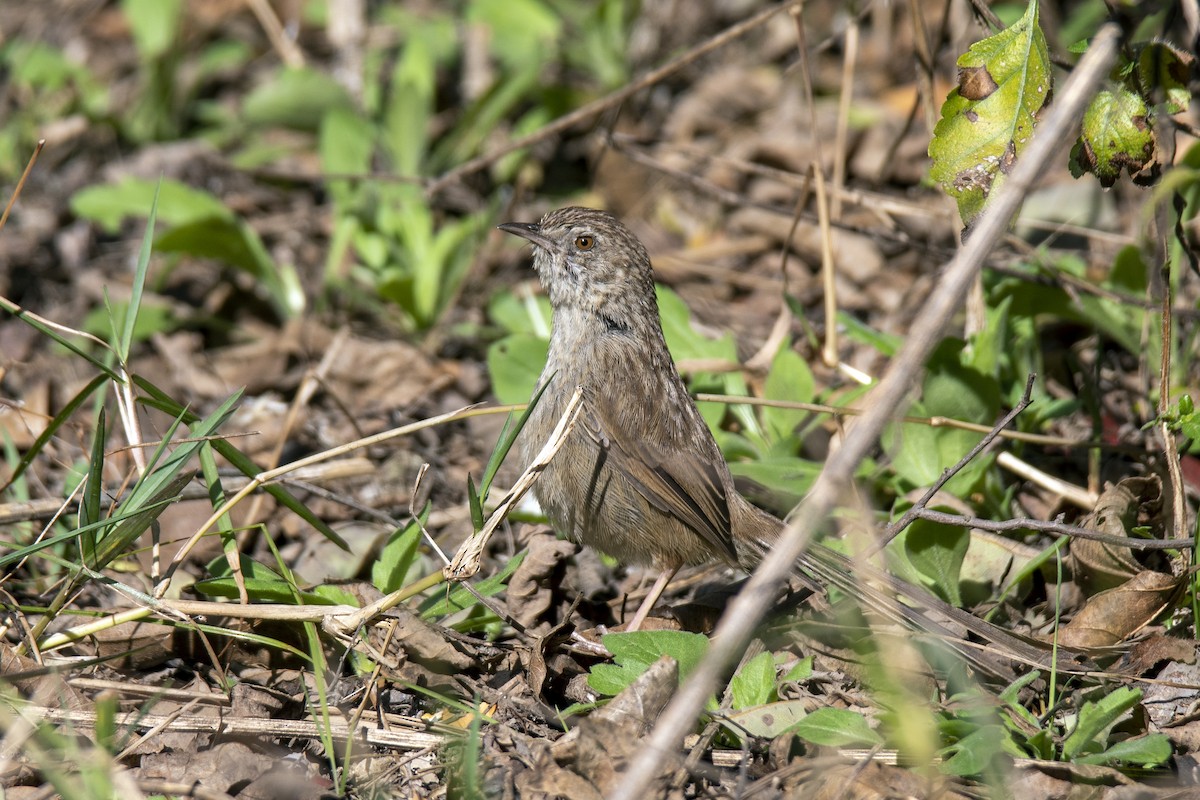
{"x": 345, "y": 143}
{"x": 788, "y": 379}
{"x": 1146, "y": 752}
{"x": 1115, "y": 135}
{"x": 522, "y": 31}
{"x": 836, "y": 727}
{"x": 856, "y": 330}
{"x": 937, "y": 552}
{"x": 1003, "y": 83}
{"x": 975, "y": 752}
{"x": 515, "y": 362}
{"x": 410, "y": 107}
{"x": 390, "y": 570}
{"x": 235, "y": 243}
{"x": 635, "y": 652}
{"x": 688, "y": 344}
{"x": 921, "y": 452}
{"x": 475, "y": 504}
{"x": 683, "y": 340}
{"x": 123, "y": 342}
{"x": 295, "y": 98}
{"x": 154, "y": 24}
{"x": 754, "y": 683}
{"x": 1163, "y": 68}
{"x": 89, "y": 504}
{"x": 155, "y": 316}
{"x": 787, "y": 478}
{"x": 1095, "y": 719}
{"x": 527, "y": 314}
{"x": 766, "y": 721}
{"x": 109, "y": 204}
{"x": 802, "y": 671}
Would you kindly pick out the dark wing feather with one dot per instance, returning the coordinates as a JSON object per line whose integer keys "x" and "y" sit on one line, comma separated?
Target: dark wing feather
{"x": 683, "y": 486}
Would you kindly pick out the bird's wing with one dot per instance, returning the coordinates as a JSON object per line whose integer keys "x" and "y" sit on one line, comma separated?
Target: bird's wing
{"x": 682, "y": 485}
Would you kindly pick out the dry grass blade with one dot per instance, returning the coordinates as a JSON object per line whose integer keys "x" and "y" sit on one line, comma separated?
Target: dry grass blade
{"x": 393, "y": 736}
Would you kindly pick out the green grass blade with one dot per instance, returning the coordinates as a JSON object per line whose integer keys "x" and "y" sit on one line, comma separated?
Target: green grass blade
{"x": 158, "y": 399}
{"x": 57, "y": 422}
{"x": 124, "y": 341}
{"x": 89, "y": 506}
{"x": 41, "y": 327}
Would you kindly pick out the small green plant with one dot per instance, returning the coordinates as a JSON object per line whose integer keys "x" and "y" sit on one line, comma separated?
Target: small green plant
{"x": 47, "y": 86}
{"x": 198, "y": 225}
{"x": 978, "y": 735}
{"x": 386, "y": 231}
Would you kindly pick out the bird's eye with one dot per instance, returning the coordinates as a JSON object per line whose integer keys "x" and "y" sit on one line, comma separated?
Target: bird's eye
{"x": 585, "y": 242}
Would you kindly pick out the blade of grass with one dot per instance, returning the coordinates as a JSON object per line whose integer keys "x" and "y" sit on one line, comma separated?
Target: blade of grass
{"x": 53, "y": 427}
{"x": 505, "y": 443}
{"x": 123, "y": 341}
{"x": 239, "y": 460}
{"x": 89, "y": 506}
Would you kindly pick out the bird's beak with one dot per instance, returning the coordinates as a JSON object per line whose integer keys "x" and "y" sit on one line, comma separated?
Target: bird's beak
{"x": 531, "y": 231}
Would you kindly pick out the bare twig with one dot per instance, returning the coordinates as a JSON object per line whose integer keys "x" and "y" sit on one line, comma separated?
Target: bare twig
{"x": 1055, "y": 527}
{"x": 395, "y": 737}
{"x": 894, "y": 529}
{"x": 288, "y": 52}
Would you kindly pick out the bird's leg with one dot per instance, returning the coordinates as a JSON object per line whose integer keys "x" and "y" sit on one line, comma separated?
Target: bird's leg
{"x": 655, "y": 592}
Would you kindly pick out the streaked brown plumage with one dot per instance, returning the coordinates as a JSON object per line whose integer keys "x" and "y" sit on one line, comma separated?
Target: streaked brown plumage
{"x": 641, "y": 477}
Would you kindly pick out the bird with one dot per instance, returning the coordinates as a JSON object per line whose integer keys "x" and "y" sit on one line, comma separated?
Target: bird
{"x": 640, "y": 477}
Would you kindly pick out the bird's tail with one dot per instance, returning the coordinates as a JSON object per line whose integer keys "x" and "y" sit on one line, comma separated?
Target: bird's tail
{"x": 985, "y": 645}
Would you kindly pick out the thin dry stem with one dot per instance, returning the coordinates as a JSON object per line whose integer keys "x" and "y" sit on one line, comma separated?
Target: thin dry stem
{"x": 849, "y": 61}
{"x": 12, "y": 200}
{"x": 289, "y": 52}
{"x": 1080, "y": 498}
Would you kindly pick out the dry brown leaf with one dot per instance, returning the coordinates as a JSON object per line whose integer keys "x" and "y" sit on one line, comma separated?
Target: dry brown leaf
{"x": 223, "y": 767}
{"x": 1156, "y": 649}
{"x": 597, "y": 750}
{"x": 431, "y": 646}
{"x": 1109, "y": 617}
{"x": 1098, "y": 566}
{"x": 530, "y": 590}
{"x": 1171, "y": 699}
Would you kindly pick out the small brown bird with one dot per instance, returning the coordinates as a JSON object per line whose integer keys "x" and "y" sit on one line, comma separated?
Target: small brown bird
{"x": 640, "y": 477}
